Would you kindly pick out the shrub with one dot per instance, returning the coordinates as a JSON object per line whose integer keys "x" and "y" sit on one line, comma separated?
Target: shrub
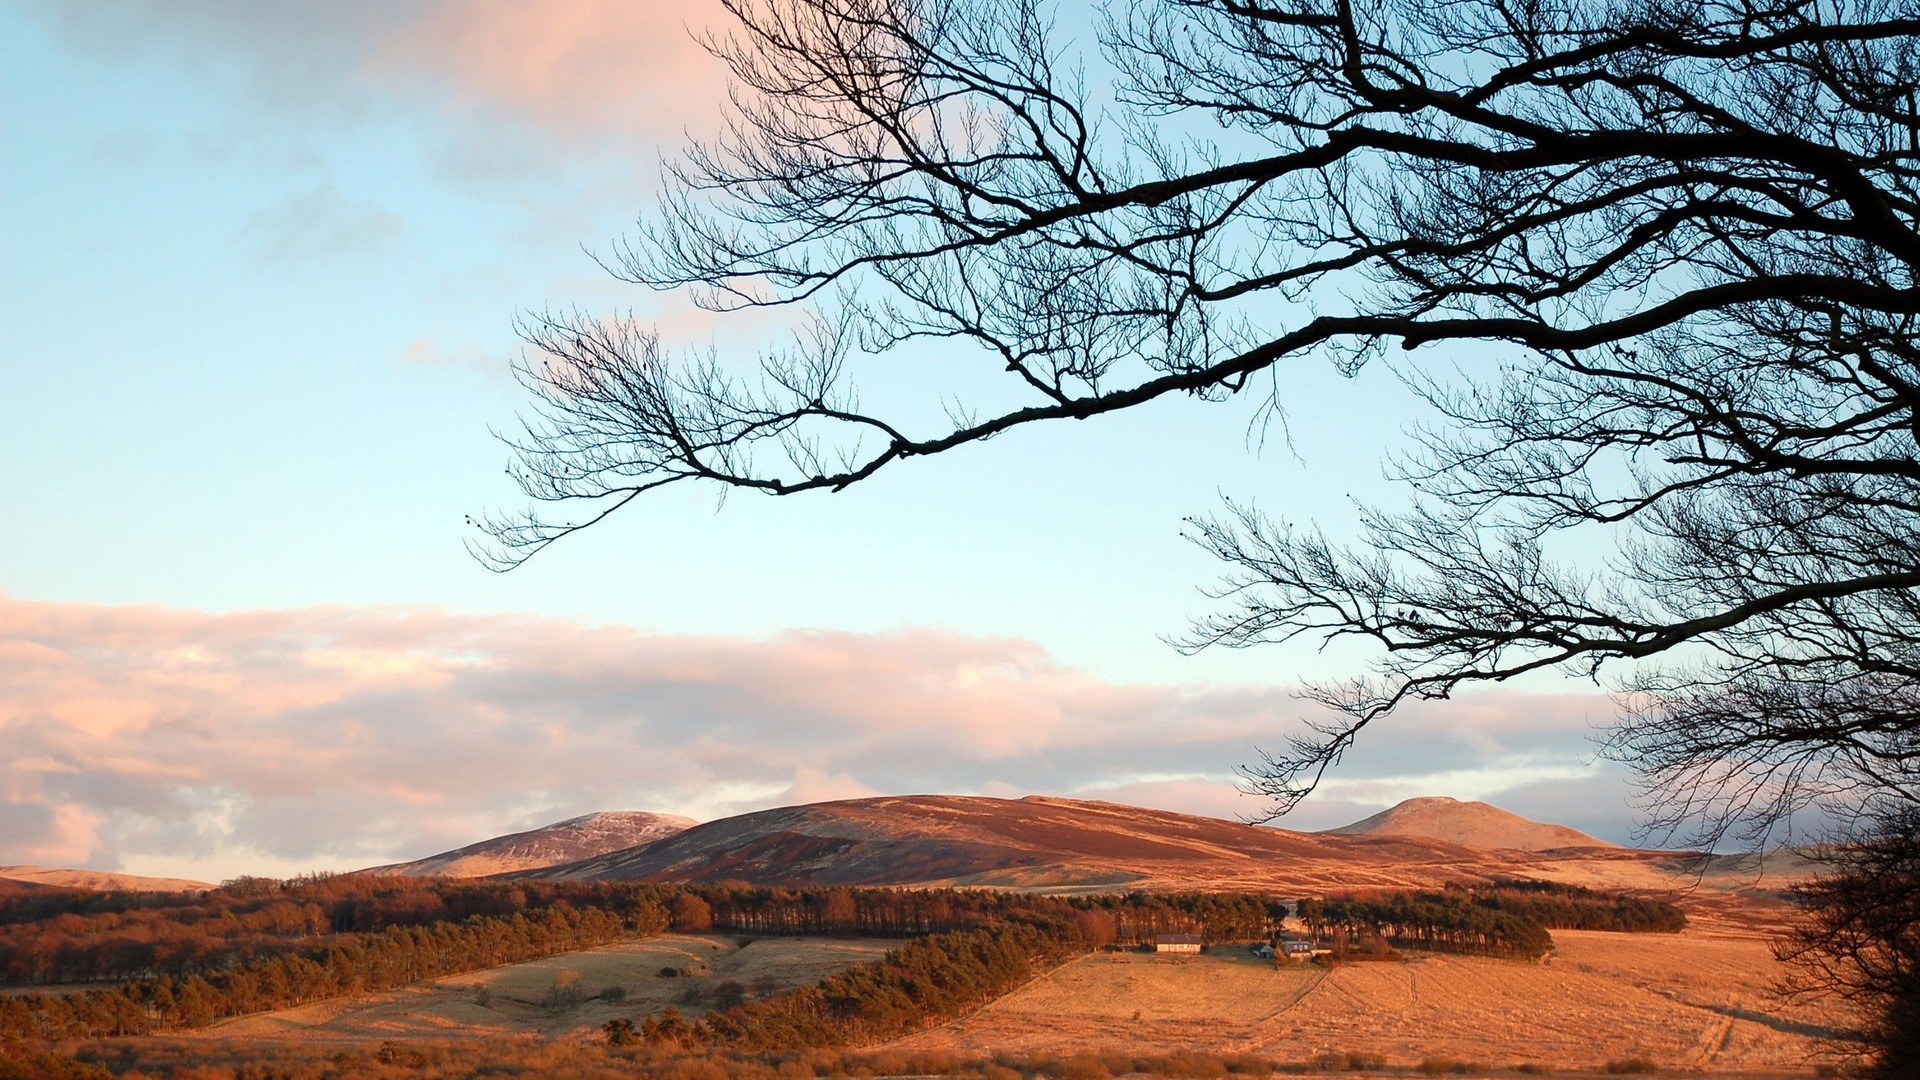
{"x": 1331, "y": 1061}
{"x": 1360, "y": 1062}
{"x": 1630, "y": 1066}
{"x": 1078, "y": 1067}
{"x": 1533, "y": 1068}
{"x": 698, "y": 1069}
{"x": 20, "y": 1062}
{"x": 565, "y": 992}
{"x": 392, "y": 1053}
{"x": 1249, "y": 1065}
{"x": 729, "y": 994}
{"x": 1193, "y": 1065}
{"x": 621, "y": 1033}
{"x": 1441, "y": 1066}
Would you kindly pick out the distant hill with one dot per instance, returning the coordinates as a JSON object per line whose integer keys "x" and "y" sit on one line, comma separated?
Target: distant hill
{"x": 1470, "y": 824}
{"x": 562, "y": 842}
{"x": 100, "y": 880}
{"x": 1034, "y": 842}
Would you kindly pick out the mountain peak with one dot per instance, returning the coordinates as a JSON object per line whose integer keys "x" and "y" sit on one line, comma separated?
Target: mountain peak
{"x": 582, "y": 837}
{"x": 1471, "y": 824}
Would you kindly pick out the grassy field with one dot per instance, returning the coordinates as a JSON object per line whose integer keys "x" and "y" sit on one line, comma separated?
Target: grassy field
{"x": 565, "y": 995}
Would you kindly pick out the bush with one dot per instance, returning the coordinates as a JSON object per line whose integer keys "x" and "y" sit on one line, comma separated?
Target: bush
{"x": 392, "y": 1053}
{"x": 729, "y": 994}
{"x": 1360, "y": 1062}
{"x": 20, "y": 1062}
{"x": 1193, "y": 1065}
{"x": 1630, "y": 1066}
{"x": 1531, "y": 1068}
{"x": 1441, "y": 1066}
{"x": 1078, "y": 1067}
{"x": 565, "y": 992}
{"x": 621, "y": 1033}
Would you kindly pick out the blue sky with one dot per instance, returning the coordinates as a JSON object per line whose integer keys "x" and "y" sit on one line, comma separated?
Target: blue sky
{"x": 259, "y": 267}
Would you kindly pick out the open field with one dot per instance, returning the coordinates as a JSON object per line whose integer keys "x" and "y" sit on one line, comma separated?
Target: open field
{"x": 562, "y": 995}
{"x": 1695, "y": 1002}
{"x": 1699, "y": 1001}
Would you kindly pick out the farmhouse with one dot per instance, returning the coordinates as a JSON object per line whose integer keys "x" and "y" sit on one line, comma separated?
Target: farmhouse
{"x": 1176, "y": 943}
{"x": 1294, "y": 949}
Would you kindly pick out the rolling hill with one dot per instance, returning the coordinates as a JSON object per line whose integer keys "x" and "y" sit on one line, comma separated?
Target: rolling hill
{"x": 561, "y": 842}
{"x": 1470, "y": 824}
{"x": 98, "y": 880}
{"x": 1035, "y": 842}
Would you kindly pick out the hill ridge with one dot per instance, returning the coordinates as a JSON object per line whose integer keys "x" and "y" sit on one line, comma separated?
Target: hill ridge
{"x": 1469, "y": 823}
{"x": 575, "y": 838}
{"x": 1033, "y": 842}
{"x": 97, "y": 880}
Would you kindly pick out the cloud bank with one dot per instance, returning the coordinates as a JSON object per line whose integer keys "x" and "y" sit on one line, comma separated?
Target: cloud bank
{"x": 167, "y": 741}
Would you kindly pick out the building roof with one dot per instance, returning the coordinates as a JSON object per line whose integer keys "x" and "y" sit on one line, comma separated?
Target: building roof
{"x": 1177, "y": 939}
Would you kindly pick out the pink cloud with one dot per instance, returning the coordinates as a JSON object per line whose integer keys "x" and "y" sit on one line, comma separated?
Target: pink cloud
{"x": 441, "y": 348}
{"x": 570, "y": 66}
{"x": 211, "y": 744}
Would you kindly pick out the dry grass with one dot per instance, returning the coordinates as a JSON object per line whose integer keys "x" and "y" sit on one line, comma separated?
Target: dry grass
{"x": 1695, "y": 1002}
{"x": 1698, "y": 1001}
{"x": 564, "y": 995}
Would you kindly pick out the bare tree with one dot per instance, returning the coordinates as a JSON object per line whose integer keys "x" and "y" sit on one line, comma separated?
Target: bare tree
{"x": 1679, "y": 236}
{"x": 1861, "y": 937}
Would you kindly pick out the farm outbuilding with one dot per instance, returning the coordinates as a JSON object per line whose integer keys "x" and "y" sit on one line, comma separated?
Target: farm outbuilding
{"x": 1176, "y": 943}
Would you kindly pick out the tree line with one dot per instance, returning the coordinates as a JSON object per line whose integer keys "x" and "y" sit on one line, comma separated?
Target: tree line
{"x": 1124, "y": 918}
{"x": 1573, "y": 907}
{"x": 927, "y": 981}
{"x": 76, "y": 936}
{"x": 1508, "y": 918}
{"x": 343, "y": 965}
